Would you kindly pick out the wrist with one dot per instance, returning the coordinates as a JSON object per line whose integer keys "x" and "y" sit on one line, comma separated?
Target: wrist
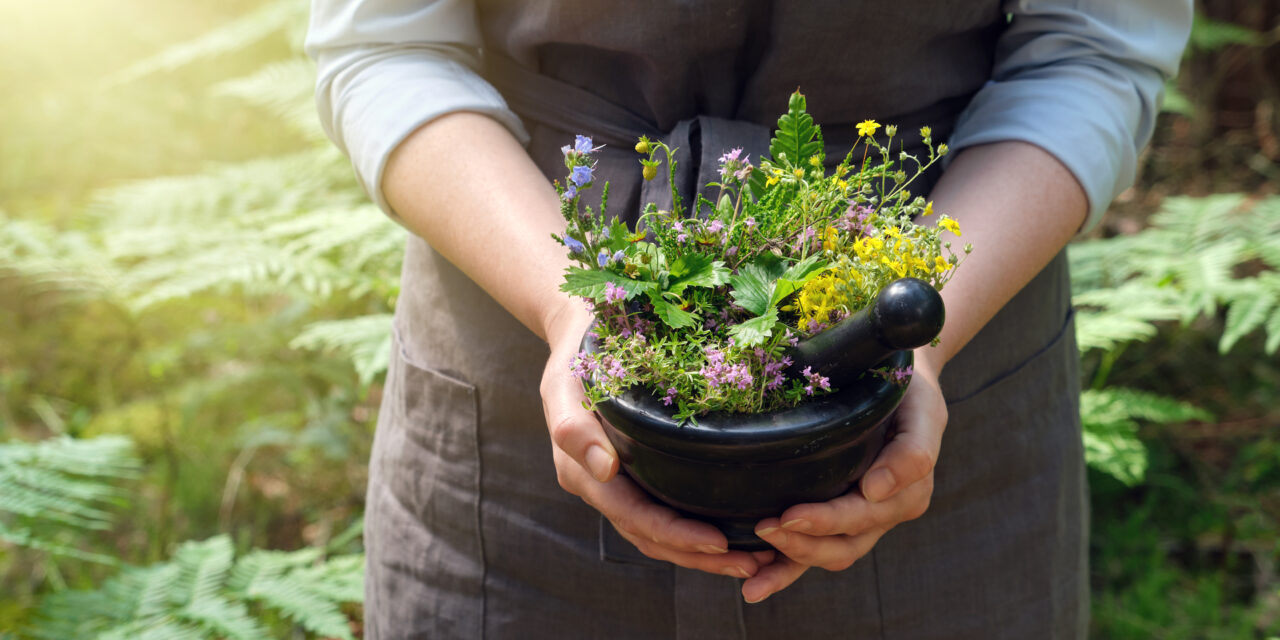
{"x": 565, "y": 320}
{"x": 929, "y": 360}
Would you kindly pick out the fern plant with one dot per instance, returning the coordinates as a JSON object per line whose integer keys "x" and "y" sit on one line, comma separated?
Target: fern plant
{"x": 52, "y": 492}
{"x": 1200, "y": 258}
{"x": 205, "y": 592}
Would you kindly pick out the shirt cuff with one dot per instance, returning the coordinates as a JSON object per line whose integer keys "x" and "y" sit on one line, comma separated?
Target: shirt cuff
{"x": 1084, "y": 116}
{"x": 389, "y": 98}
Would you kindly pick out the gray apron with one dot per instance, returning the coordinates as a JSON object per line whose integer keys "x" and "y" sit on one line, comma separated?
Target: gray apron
{"x": 467, "y": 531}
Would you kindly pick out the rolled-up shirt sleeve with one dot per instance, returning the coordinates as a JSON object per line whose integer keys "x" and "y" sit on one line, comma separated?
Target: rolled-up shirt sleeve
{"x": 1081, "y": 79}
{"x": 386, "y": 67}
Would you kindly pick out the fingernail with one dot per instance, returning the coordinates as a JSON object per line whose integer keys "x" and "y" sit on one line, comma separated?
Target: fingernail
{"x": 735, "y": 572}
{"x": 799, "y": 524}
{"x": 760, "y": 599}
{"x": 878, "y": 484}
{"x": 711, "y": 548}
{"x": 599, "y": 462}
{"x": 765, "y": 531}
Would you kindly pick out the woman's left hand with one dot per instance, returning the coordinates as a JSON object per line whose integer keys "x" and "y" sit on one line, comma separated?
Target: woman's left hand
{"x": 897, "y": 488}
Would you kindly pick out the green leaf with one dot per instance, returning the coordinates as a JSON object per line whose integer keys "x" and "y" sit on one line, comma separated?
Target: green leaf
{"x": 754, "y": 283}
{"x": 797, "y": 137}
{"x": 619, "y": 236}
{"x": 1273, "y": 333}
{"x": 696, "y": 270}
{"x": 1245, "y": 315}
{"x": 796, "y": 276}
{"x": 753, "y": 332}
{"x": 589, "y": 283}
{"x": 672, "y": 315}
{"x": 1111, "y": 420}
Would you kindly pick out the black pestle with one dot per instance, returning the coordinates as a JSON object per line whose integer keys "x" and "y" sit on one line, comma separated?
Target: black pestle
{"x": 907, "y": 314}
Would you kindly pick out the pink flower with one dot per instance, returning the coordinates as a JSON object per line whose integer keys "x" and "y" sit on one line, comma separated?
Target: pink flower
{"x": 613, "y": 293}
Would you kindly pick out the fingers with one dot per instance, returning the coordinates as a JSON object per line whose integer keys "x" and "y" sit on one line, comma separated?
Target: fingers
{"x": 636, "y": 516}
{"x": 771, "y": 579}
{"x": 735, "y": 564}
{"x": 912, "y": 453}
{"x": 575, "y": 430}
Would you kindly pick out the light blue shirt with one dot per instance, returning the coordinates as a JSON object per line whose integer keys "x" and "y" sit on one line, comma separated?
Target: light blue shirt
{"x": 1081, "y": 79}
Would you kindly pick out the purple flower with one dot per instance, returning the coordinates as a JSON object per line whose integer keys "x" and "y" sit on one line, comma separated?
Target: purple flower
{"x": 619, "y": 256}
{"x": 671, "y": 396}
{"x": 731, "y": 251}
{"x": 614, "y": 293}
{"x": 677, "y": 225}
{"x": 715, "y": 227}
{"x": 682, "y": 237}
{"x": 750, "y": 222}
{"x": 603, "y": 258}
{"x": 582, "y": 144}
{"x": 730, "y": 156}
{"x": 580, "y": 175}
{"x": 730, "y": 164}
{"x": 573, "y": 245}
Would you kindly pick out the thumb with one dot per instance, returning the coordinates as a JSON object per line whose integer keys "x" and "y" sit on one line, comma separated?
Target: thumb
{"x": 575, "y": 430}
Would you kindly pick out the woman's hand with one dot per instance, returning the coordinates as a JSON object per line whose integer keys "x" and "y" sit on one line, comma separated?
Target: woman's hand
{"x": 587, "y": 466}
{"x": 833, "y": 535}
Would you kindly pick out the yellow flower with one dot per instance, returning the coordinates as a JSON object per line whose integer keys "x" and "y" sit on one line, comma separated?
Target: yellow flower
{"x": 815, "y": 161}
{"x": 928, "y": 209}
{"x": 868, "y": 127}
{"x": 940, "y": 265}
{"x": 950, "y": 225}
{"x": 829, "y": 239}
{"x": 770, "y": 181}
{"x": 898, "y": 267}
{"x": 926, "y": 132}
{"x": 843, "y": 184}
{"x": 893, "y": 232}
{"x": 799, "y": 173}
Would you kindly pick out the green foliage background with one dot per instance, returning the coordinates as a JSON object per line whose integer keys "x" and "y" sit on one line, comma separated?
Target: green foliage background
{"x": 195, "y": 307}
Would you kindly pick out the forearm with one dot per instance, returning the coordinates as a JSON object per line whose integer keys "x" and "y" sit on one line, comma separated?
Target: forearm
{"x": 1019, "y": 207}
{"x": 466, "y": 186}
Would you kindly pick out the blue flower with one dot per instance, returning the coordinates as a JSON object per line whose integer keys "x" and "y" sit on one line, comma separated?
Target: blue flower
{"x": 581, "y": 175}
{"x": 570, "y": 193}
{"x": 573, "y": 245}
{"x": 603, "y": 258}
{"x": 619, "y": 256}
{"x": 582, "y": 144}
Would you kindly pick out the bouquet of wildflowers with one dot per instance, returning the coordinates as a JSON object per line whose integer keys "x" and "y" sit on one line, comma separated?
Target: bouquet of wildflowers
{"x": 699, "y": 306}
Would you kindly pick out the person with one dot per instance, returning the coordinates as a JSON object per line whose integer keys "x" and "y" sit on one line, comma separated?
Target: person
{"x": 453, "y": 113}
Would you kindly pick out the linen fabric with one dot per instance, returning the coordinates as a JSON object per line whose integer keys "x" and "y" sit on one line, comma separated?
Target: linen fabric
{"x": 467, "y": 532}
{"x": 1081, "y": 79}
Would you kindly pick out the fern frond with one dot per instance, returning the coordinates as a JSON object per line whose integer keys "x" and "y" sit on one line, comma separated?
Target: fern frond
{"x": 366, "y": 340}
{"x": 1111, "y": 419}
{"x": 234, "y": 36}
{"x": 58, "y": 485}
{"x": 286, "y": 89}
{"x": 1249, "y": 308}
{"x": 203, "y": 593}
{"x": 1199, "y": 255}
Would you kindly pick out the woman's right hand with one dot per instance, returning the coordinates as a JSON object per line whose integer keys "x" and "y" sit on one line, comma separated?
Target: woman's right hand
{"x": 587, "y": 466}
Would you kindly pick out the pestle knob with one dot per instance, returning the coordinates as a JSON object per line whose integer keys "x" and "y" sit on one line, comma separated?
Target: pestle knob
{"x": 908, "y": 313}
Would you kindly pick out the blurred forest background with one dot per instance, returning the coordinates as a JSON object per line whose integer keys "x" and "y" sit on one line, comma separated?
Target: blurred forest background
{"x": 195, "y": 305}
